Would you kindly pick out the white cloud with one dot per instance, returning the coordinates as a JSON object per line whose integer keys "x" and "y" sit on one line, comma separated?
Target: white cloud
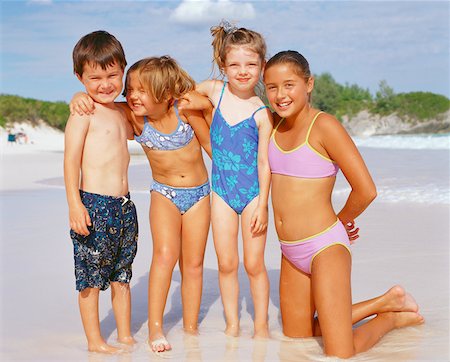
{"x": 206, "y": 11}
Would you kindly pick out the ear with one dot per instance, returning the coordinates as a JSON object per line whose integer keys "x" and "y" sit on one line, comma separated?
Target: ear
{"x": 263, "y": 66}
{"x": 310, "y": 84}
{"x": 79, "y": 77}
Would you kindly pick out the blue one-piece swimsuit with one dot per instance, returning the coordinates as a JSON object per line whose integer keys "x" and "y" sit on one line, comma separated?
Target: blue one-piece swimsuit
{"x": 234, "y": 159}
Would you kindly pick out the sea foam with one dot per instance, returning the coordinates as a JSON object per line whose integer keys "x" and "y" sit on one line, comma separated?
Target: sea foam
{"x": 414, "y": 142}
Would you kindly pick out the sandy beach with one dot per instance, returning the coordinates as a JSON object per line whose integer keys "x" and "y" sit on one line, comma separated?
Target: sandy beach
{"x": 404, "y": 240}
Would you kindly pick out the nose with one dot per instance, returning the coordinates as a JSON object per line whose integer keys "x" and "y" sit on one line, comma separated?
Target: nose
{"x": 243, "y": 70}
{"x": 105, "y": 83}
{"x": 132, "y": 94}
{"x": 280, "y": 93}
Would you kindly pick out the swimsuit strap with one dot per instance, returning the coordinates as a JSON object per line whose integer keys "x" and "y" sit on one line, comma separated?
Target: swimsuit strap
{"x": 262, "y": 107}
{"x": 311, "y": 125}
{"x": 175, "y": 106}
{"x": 221, "y": 94}
{"x": 145, "y": 120}
{"x": 276, "y": 128}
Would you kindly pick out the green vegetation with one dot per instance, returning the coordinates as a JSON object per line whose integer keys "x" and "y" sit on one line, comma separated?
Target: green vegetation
{"x": 18, "y": 109}
{"x": 328, "y": 95}
{"x": 341, "y": 100}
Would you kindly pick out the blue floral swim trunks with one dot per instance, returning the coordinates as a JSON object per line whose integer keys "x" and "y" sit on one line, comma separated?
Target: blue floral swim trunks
{"x": 106, "y": 254}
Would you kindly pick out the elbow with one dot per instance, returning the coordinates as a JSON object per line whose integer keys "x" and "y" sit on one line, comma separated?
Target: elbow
{"x": 371, "y": 194}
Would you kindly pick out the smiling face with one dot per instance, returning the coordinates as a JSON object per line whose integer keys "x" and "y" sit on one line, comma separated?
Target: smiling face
{"x": 287, "y": 91}
{"x": 242, "y": 68}
{"x": 102, "y": 85}
{"x": 140, "y": 101}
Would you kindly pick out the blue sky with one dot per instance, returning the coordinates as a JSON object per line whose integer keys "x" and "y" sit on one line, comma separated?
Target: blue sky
{"x": 358, "y": 42}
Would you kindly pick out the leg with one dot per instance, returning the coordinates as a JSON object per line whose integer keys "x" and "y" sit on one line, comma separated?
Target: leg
{"x": 332, "y": 295}
{"x": 120, "y": 279}
{"x": 254, "y": 246}
{"x": 225, "y": 224}
{"x": 121, "y": 303}
{"x": 330, "y": 277}
{"x": 194, "y": 234}
{"x": 296, "y": 302}
{"x": 88, "y": 302}
{"x": 165, "y": 223}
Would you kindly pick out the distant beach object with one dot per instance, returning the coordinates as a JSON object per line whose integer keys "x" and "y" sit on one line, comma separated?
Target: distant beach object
{"x": 11, "y": 138}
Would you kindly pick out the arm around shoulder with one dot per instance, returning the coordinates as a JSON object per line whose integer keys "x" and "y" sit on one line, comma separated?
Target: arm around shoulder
{"x": 201, "y": 129}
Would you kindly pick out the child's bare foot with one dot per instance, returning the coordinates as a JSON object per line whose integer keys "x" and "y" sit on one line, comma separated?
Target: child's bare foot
{"x": 129, "y": 341}
{"x": 406, "y": 319}
{"x": 159, "y": 343}
{"x": 261, "y": 332}
{"x": 104, "y": 348}
{"x": 191, "y": 330}
{"x": 397, "y": 300}
{"x": 232, "y": 330}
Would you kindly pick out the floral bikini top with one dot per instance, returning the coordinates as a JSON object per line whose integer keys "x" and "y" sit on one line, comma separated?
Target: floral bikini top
{"x": 155, "y": 140}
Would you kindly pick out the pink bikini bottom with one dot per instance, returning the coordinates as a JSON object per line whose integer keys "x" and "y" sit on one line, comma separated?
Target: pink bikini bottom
{"x": 302, "y": 252}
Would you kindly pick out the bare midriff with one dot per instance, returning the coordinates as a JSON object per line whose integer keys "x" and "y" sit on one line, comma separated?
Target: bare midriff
{"x": 178, "y": 168}
{"x": 302, "y": 206}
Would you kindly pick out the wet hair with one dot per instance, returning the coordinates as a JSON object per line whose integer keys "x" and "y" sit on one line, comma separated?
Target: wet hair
{"x": 299, "y": 63}
{"x": 226, "y": 36}
{"x": 100, "y": 48}
{"x": 161, "y": 77}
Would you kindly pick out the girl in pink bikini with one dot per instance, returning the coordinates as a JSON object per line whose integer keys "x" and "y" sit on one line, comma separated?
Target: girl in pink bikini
{"x": 306, "y": 150}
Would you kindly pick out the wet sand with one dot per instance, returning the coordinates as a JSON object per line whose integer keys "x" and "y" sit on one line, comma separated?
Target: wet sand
{"x": 403, "y": 243}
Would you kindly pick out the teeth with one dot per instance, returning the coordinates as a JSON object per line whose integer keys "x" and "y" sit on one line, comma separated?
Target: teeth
{"x": 284, "y": 104}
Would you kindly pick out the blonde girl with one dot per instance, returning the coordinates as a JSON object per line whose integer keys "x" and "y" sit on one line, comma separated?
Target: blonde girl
{"x": 240, "y": 131}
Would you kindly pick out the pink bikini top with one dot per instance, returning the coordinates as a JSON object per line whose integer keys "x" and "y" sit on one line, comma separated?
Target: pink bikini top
{"x": 302, "y": 161}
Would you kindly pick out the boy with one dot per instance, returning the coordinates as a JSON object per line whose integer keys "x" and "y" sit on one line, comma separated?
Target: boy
{"x": 102, "y": 217}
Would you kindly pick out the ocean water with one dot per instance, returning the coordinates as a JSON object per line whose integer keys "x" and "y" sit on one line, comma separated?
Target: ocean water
{"x": 412, "y": 168}
{"x": 405, "y": 168}
{"x": 410, "y": 142}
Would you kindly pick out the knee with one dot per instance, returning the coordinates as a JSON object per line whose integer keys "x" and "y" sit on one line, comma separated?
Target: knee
{"x": 292, "y": 329}
{"x": 192, "y": 268}
{"x": 254, "y": 267}
{"x": 228, "y": 265}
{"x": 164, "y": 258}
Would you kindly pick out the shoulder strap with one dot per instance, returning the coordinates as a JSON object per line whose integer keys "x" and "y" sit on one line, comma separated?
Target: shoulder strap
{"x": 262, "y": 107}
{"x": 221, "y": 94}
{"x": 278, "y": 125}
{"x": 312, "y": 124}
{"x": 145, "y": 119}
{"x": 175, "y": 106}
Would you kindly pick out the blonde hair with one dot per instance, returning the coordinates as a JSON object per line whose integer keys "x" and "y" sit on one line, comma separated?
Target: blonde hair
{"x": 226, "y": 36}
{"x": 162, "y": 77}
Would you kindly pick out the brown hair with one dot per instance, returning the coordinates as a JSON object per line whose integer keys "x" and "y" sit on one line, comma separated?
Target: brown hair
{"x": 298, "y": 61}
{"x": 98, "y": 47}
{"x": 226, "y": 36}
{"x": 161, "y": 77}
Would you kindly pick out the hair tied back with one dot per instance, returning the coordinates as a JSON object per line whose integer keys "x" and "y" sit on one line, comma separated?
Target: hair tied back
{"x": 227, "y": 26}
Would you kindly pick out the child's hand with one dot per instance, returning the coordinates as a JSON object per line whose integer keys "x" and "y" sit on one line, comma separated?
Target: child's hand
{"x": 82, "y": 104}
{"x": 193, "y": 101}
{"x": 79, "y": 220}
{"x": 352, "y": 231}
{"x": 258, "y": 223}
